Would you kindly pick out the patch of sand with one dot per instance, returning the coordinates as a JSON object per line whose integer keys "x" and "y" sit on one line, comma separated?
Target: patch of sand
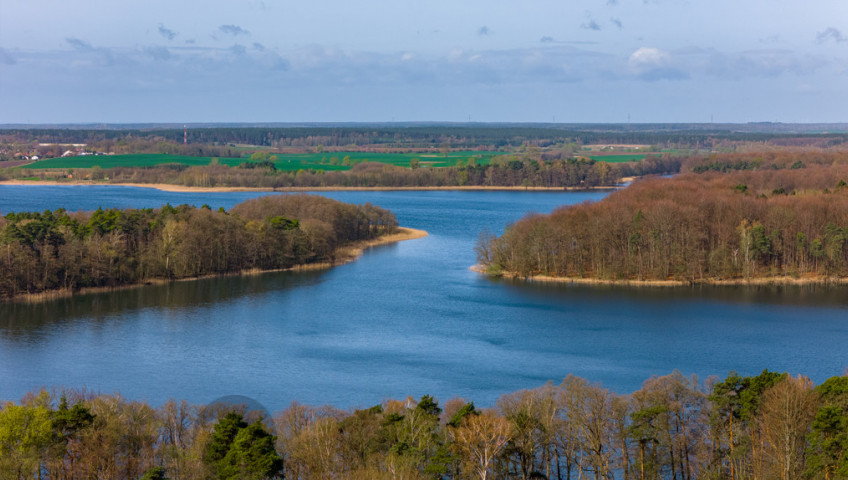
{"x": 182, "y": 188}
{"x": 759, "y": 281}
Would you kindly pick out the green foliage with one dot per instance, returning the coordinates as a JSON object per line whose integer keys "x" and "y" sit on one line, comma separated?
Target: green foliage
{"x": 429, "y": 406}
{"x": 26, "y": 433}
{"x": 111, "y": 247}
{"x": 464, "y": 411}
{"x": 827, "y": 451}
{"x": 239, "y": 451}
{"x": 251, "y": 456}
{"x": 68, "y": 422}
{"x": 223, "y": 436}
{"x": 717, "y": 166}
{"x": 154, "y": 473}
{"x": 282, "y": 223}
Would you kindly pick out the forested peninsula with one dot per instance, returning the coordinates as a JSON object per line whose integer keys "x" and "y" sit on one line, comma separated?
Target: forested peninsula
{"x": 735, "y": 218}
{"x": 766, "y": 426}
{"x": 60, "y": 251}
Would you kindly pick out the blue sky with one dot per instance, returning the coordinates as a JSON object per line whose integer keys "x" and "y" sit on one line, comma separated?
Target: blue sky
{"x": 491, "y": 61}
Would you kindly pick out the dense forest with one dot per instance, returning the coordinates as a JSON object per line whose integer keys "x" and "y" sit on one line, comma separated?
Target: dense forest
{"x": 739, "y": 217}
{"x": 768, "y": 426}
{"x": 107, "y": 248}
{"x": 205, "y": 140}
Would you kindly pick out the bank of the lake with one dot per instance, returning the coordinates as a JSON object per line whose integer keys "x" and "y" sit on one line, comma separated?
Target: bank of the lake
{"x": 752, "y": 281}
{"x": 169, "y": 187}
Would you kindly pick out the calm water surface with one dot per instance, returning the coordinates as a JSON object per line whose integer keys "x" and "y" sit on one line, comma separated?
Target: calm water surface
{"x": 405, "y": 319}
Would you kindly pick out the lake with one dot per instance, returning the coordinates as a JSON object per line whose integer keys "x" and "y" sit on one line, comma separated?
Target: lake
{"x": 405, "y": 319}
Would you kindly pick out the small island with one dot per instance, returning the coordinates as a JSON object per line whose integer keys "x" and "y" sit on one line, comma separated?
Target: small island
{"x": 56, "y": 253}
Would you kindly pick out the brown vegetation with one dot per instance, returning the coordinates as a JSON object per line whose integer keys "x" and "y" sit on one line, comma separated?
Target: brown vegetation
{"x": 766, "y": 426}
{"x": 746, "y": 224}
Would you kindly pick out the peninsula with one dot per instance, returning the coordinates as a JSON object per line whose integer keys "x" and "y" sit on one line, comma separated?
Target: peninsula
{"x": 59, "y": 253}
{"x": 732, "y": 219}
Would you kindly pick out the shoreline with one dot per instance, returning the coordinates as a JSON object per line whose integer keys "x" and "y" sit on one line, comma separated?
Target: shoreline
{"x": 167, "y": 187}
{"x": 733, "y": 282}
{"x": 344, "y": 255}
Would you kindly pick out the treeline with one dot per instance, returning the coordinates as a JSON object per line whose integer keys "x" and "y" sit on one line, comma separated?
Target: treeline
{"x": 790, "y": 222}
{"x": 763, "y": 160}
{"x": 53, "y": 250}
{"x": 489, "y": 136}
{"x": 504, "y": 171}
{"x": 768, "y": 426}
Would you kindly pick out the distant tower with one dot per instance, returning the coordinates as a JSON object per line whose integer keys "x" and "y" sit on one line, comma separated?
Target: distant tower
{"x": 185, "y": 135}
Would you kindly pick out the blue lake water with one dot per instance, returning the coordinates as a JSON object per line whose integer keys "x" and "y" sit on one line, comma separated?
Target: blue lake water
{"x": 405, "y": 319}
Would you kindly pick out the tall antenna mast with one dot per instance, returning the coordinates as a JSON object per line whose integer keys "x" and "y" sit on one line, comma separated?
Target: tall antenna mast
{"x": 185, "y": 135}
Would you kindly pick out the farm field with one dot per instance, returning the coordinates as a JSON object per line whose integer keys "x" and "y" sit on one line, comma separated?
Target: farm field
{"x": 619, "y": 158}
{"x": 286, "y": 162}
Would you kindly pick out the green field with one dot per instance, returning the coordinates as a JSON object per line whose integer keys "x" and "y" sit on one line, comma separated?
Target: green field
{"x": 627, "y": 157}
{"x": 286, "y": 162}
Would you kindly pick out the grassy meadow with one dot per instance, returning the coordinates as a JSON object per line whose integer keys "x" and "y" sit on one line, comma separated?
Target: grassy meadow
{"x": 285, "y": 162}
{"x": 618, "y": 158}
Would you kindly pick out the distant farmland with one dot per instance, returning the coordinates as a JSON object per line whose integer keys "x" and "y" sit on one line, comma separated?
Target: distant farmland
{"x": 618, "y": 158}
{"x": 286, "y": 162}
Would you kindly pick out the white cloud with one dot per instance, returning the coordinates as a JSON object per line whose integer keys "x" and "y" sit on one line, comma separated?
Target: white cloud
{"x": 652, "y": 64}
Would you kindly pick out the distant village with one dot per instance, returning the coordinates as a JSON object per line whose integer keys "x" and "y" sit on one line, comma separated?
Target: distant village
{"x": 72, "y": 150}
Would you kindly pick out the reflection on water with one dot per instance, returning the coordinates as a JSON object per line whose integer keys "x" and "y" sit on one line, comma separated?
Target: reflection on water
{"x": 20, "y": 318}
{"x": 816, "y": 295}
{"x": 405, "y": 319}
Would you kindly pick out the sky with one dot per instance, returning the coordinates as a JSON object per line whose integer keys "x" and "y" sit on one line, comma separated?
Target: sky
{"x": 568, "y": 61}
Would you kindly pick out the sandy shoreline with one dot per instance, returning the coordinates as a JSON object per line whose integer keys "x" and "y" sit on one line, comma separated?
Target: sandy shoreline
{"x": 759, "y": 281}
{"x": 344, "y": 255}
{"x": 167, "y": 187}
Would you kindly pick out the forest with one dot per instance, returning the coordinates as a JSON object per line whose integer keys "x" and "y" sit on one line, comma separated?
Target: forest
{"x": 60, "y": 250}
{"x": 545, "y": 170}
{"x": 766, "y": 426}
{"x": 211, "y": 140}
{"x": 735, "y": 217}
{"x": 536, "y": 155}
